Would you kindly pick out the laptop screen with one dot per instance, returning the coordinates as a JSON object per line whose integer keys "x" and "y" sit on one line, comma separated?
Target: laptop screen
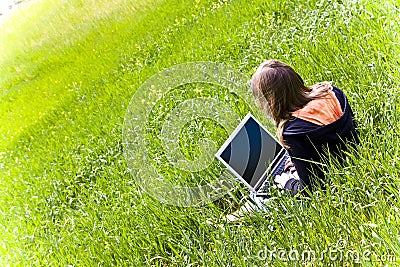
{"x": 250, "y": 151}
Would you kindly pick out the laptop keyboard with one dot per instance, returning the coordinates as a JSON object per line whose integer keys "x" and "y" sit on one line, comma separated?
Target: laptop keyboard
{"x": 281, "y": 166}
{"x": 264, "y": 190}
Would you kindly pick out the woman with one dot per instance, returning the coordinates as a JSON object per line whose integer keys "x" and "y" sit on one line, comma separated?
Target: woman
{"x": 311, "y": 121}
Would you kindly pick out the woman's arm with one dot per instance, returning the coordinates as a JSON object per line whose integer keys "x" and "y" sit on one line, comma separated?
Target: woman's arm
{"x": 304, "y": 157}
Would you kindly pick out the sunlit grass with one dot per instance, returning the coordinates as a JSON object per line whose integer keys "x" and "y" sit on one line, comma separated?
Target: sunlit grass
{"x": 68, "y": 72}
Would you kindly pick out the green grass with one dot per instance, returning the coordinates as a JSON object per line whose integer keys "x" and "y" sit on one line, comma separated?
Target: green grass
{"x": 68, "y": 72}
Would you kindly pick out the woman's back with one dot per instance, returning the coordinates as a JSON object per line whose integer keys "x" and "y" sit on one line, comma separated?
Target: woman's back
{"x": 308, "y": 142}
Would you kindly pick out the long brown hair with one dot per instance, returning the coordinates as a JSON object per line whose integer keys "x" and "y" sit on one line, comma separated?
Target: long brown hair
{"x": 280, "y": 90}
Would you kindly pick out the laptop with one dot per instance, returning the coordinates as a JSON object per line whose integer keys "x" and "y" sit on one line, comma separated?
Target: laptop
{"x": 253, "y": 155}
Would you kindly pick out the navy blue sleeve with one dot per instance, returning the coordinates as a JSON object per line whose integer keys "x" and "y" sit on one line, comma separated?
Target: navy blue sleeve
{"x": 305, "y": 158}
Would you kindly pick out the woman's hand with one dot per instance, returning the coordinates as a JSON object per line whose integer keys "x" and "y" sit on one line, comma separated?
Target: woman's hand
{"x": 289, "y": 166}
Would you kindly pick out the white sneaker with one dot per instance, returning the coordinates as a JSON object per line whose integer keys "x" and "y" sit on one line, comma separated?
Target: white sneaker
{"x": 238, "y": 215}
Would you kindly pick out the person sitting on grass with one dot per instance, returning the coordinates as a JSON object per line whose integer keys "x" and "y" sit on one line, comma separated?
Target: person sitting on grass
{"x": 311, "y": 122}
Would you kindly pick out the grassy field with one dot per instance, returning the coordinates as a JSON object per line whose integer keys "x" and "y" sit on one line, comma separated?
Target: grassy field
{"x": 68, "y": 72}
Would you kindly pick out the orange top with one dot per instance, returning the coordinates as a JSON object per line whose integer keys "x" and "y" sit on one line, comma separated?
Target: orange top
{"x": 321, "y": 111}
